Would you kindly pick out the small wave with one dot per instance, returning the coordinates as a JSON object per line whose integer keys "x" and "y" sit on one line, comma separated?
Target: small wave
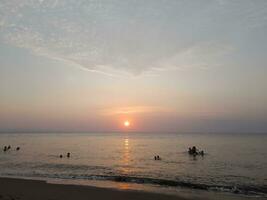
{"x": 248, "y": 190}
{"x": 237, "y": 189}
{"x": 70, "y": 167}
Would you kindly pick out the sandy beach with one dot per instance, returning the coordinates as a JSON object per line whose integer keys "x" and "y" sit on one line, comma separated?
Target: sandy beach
{"x": 26, "y": 189}
{"x": 20, "y": 189}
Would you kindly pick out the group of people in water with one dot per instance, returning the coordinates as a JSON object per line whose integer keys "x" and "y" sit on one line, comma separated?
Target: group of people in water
{"x": 194, "y": 151}
{"x": 68, "y": 155}
{"x": 6, "y": 148}
{"x": 191, "y": 150}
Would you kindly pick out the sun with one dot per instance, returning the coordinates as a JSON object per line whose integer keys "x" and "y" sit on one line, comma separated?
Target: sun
{"x": 127, "y": 123}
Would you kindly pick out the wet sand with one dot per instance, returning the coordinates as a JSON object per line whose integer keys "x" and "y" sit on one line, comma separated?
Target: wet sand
{"x": 20, "y": 189}
{"x": 25, "y": 189}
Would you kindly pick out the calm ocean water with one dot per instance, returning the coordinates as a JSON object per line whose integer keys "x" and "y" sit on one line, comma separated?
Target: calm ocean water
{"x": 234, "y": 163}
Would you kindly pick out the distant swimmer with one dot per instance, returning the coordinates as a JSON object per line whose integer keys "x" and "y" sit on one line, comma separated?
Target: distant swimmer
{"x": 194, "y": 150}
{"x": 9, "y": 147}
{"x": 60, "y": 156}
{"x": 190, "y": 150}
{"x": 18, "y": 148}
{"x": 68, "y": 155}
{"x": 157, "y": 157}
{"x": 5, "y": 148}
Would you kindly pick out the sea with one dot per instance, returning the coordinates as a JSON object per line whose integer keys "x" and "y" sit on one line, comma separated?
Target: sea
{"x": 234, "y": 164}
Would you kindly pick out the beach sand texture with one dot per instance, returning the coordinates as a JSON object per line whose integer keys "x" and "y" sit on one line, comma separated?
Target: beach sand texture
{"x": 19, "y": 189}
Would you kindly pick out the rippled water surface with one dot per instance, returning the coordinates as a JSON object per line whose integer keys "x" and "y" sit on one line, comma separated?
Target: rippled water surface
{"x": 233, "y": 162}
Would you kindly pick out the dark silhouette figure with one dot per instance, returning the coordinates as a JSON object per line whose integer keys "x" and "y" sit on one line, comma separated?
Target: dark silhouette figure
{"x": 68, "y": 155}
{"x": 5, "y": 148}
{"x": 60, "y": 156}
{"x": 9, "y": 147}
{"x": 158, "y": 158}
{"x": 190, "y": 150}
{"x": 18, "y": 148}
{"x": 194, "y": 150}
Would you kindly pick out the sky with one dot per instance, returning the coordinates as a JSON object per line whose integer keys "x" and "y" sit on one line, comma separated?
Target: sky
{"x": 163, "y": 65}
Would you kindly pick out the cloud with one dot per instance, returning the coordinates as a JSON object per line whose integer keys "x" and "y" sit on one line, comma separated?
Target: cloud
{"x": 118, "y": 38}
{"x": 136, "y": 110}
{"x": 201, "y": 56}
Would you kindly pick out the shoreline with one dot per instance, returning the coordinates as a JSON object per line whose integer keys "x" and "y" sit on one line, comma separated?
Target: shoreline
{"x": 27, "y": 189}
{"x": 31, "y": 189}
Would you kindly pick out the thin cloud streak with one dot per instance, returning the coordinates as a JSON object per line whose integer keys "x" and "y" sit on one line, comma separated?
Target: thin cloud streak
{"x": 135, "y": 110}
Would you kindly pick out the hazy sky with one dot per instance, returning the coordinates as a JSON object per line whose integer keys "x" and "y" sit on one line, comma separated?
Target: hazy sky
{"x": 88, "y": 65}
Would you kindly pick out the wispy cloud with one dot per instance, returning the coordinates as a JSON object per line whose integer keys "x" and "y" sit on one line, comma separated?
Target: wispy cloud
{"x": 135, "y": 110}
{"x": 201, "y": 56}
{"x": 117, "y": 38}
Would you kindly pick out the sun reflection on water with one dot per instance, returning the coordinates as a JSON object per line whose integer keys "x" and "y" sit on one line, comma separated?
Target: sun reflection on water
{"x": 126, "y": 156}
{"x": 125, "y": 162}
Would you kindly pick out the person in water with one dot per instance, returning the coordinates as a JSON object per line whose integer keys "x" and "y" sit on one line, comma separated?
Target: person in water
{"x": 194, "y": 150}
{"x": 157, "y": 157}
{"x": 190, "y": 150}
{"x": 68, "y": 155}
